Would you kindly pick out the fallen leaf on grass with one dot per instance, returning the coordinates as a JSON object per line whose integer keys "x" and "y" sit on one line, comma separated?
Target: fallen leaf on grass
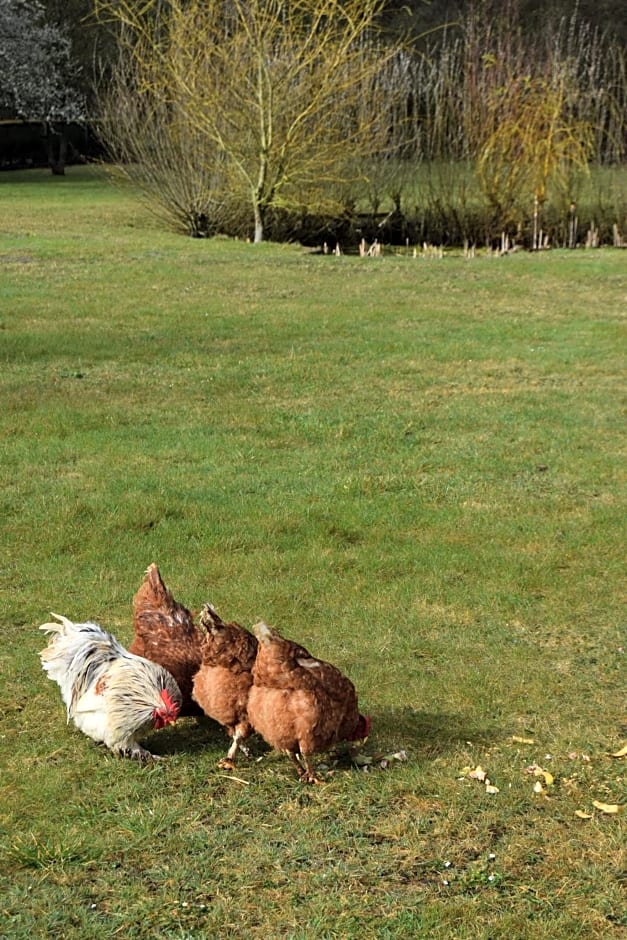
{"x": 478, "y": 773}
{"x": 537, "y": 771}
{"x": 582, "y": 815}
{"x": 387, "y": 760}
{"x": 398, "y": 755}
{"x": 622, "y": 752}
{"x": 366, "y": 761}
{"x": 518, "y": 740}
{"x": 610, "y": 808}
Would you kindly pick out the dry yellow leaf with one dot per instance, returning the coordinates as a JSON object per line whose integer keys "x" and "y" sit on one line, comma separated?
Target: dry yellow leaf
{"x": 537, "y": 787}
{"x": 610, "y": 808}
{"x": 478, "y": 773}
{"x": 580, "y": 813}
{"x": 490, "y": 788}
{"x": 522, "y": 740}
{"x": 539, "y": 772}
{"x": 622, "y": 752}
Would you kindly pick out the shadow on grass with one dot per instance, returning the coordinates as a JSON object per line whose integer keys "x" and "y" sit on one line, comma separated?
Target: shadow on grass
{"x": 427, "y": 734}
{"x": 188, "y": 736}
{"x": 430, "y": 734}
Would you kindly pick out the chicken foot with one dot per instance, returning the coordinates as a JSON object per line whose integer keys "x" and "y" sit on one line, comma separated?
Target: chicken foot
{"x": 306, "y": 773}
{"x": 228, "y": 762}
{"x": 135, "y": 751}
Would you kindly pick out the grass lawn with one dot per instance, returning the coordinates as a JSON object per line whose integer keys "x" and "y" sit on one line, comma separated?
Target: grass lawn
{"x": 411, "y": 466}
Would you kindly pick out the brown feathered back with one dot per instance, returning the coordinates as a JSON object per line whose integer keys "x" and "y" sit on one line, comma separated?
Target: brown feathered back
{"x": 297, "y": 703}
{"x": 165, "y": 633}
{"x": 222, "y": 683}
{"x": 226, "y": 644}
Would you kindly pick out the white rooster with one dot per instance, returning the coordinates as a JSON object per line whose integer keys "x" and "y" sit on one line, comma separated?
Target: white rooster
{"x": 111, "y": 695}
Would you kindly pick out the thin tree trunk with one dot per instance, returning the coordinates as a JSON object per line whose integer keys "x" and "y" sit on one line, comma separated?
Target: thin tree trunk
{"x": 56, "y": 161}
{"x": 259, "y": 227}
{"x": 260, "y": 201}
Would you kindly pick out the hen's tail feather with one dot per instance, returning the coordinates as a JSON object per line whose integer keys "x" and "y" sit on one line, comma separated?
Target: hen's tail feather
{"x": 154, "y": 601}
{"x": 263, "y": 632}
{"x": 153, "y": 591}
{"x": 209, "y": 619}
{"x": 76, "y": 654}
{"x": 62, "y": 627}
{"x": 156, "y": 582}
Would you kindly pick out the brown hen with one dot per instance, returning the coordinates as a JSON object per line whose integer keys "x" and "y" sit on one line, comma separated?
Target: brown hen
{"x": 301, "y": 705}
{"x": 222, "y": 683}
{"x": 165, "y": 633}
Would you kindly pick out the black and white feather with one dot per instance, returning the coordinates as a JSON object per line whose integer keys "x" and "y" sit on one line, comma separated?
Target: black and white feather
{"x": 111, "y": 695}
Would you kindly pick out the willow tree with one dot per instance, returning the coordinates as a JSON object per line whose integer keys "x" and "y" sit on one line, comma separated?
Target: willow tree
{"x": 535, "y": 140}
{"x": 283, "y": 91}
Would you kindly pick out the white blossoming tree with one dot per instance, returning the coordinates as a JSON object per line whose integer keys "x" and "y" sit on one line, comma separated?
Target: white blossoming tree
{"x": 37, "y": 75}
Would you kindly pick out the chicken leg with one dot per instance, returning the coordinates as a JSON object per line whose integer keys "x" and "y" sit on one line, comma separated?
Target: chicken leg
{"x": 307, "y": 774}
{"x": 228, "y": 762}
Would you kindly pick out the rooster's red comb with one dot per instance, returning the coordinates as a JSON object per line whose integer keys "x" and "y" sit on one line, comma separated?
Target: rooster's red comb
{"x": 167, "y": 700}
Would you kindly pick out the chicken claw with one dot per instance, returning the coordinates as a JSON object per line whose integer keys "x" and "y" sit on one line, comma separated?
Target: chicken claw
{"x": 137, "y": 752}
{"x": 306, "y": 773}
{"x": 225, "y": 763}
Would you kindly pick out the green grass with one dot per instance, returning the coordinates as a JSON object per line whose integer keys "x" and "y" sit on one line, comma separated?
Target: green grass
{"x": 414, "y": 468}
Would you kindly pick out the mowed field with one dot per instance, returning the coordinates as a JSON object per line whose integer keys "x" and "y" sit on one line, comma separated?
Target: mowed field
{"x": 414, "y": 467}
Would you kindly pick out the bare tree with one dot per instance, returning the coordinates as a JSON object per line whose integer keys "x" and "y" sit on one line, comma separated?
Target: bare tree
{"x": 281, "y": 91}
{"x": 176, "y": 168}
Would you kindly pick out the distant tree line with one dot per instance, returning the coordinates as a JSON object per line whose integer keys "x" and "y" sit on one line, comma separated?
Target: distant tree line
{"x": 271, "y": 117}
{"x": 422, "y": 17}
